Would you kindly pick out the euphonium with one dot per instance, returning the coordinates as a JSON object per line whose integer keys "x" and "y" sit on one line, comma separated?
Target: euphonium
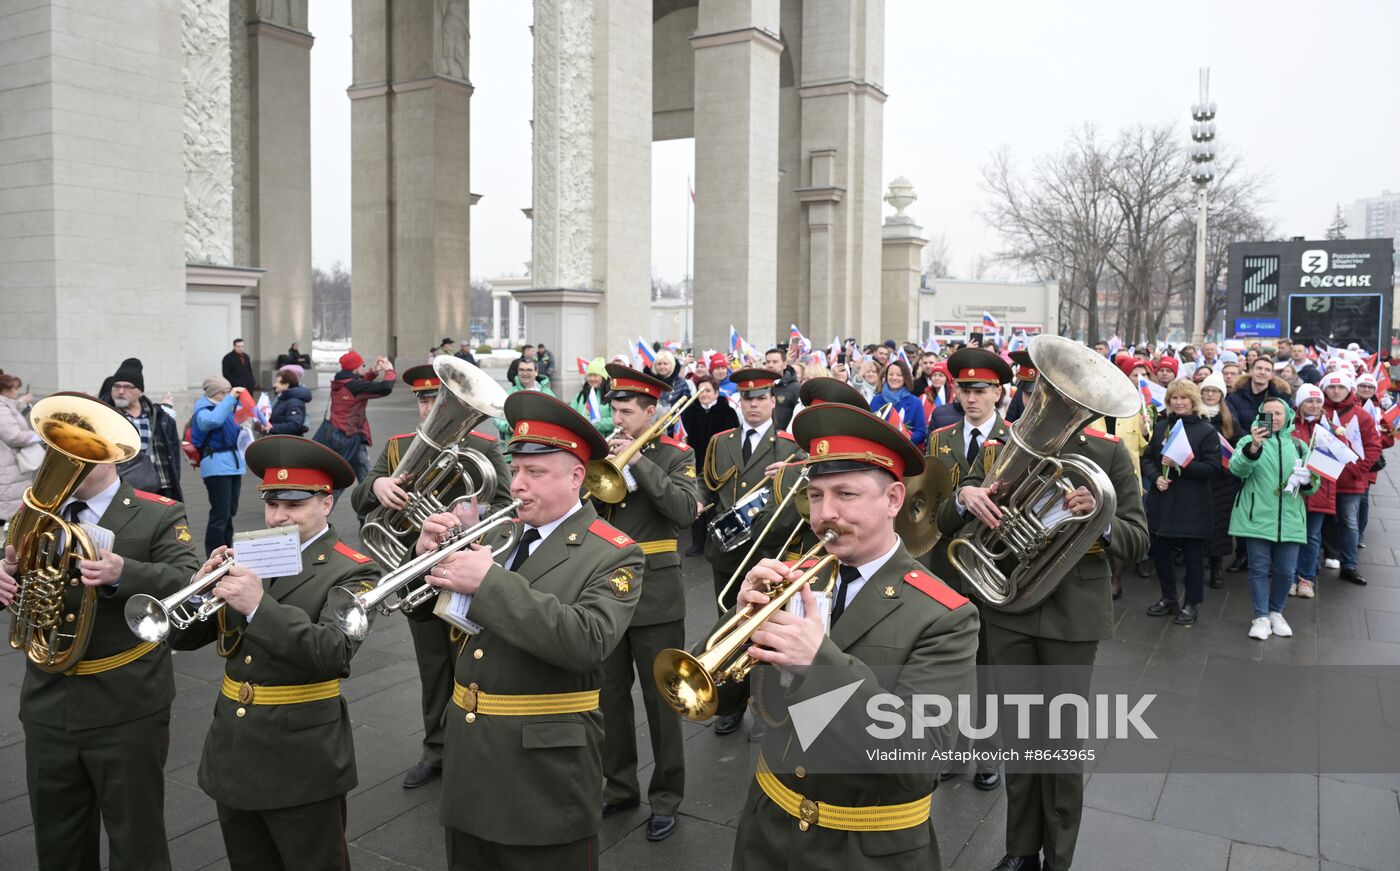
{"x": 1030, "y": 481}
{"x": 604, "y": 480}
{"x": 151, "y": 619}
{"x": 689, "y": 683}
{"x": 51, "y": 625}
{"x": 436, "y": 464}
{"x": 352, "y": 610}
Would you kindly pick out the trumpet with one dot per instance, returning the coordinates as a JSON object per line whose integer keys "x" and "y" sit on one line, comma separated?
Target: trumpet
{"x": 604, "y": 480}
{"x": 689, "y": 683}
{"x": 151, "y": 619}
{"x": 352, "y": 610}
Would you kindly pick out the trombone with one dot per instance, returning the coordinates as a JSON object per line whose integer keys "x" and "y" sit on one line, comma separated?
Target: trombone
{"x": 604, "y": 480}
{"x": 689, "y": 683}
{"x": 352, "y": 610}
{"x": 151, "y": 619}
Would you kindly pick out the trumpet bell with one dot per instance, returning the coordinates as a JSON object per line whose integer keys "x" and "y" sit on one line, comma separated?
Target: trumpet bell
{"x": 603, "y": 480}
{"x": 351, "y": 615}
{"x": 147, "y": 618}
{"x": 685, "y": 684}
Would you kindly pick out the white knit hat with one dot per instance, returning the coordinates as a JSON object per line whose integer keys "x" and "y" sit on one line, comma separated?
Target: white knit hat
{"x": 1304, "y": 393}
{"x": 1335, "y": 378}
{"x": 1216, "y": 380}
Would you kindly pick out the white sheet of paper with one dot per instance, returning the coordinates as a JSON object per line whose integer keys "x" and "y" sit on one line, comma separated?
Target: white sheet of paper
{"x": 101, "y": 537}
{"x": 270, "y": 553}
{"x": 452, "y": 607}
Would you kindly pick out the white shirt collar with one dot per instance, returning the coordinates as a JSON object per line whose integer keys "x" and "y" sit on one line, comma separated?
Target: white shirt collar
{"x": 96, "y": 505}
{"x": 312, "y": 539}
{"x": 985, "y": 428}
{"x": 761, "y": 429}
{"x": 867, "y": 571}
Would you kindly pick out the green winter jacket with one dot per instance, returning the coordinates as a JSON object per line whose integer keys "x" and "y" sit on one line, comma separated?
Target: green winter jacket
{"x": 541, "y": 384}
{"x": 1262, "y": 509}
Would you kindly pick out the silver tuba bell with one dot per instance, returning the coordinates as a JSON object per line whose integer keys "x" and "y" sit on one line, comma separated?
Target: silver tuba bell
{"x": 1075, "y": 385}
{"x": 436, "y": 464}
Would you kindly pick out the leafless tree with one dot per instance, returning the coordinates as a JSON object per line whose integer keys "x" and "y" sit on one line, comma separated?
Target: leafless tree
{"x": 330, "y": 300}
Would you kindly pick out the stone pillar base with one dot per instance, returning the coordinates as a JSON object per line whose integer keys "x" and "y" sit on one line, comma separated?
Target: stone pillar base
{"x": 563, "y": 320}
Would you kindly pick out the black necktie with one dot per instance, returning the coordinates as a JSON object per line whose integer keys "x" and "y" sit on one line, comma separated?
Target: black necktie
{"x": 73, "y": 510}
{"x": 849, "y": 574}
{"x": 522, "y": 550}
{"x": 974, "y": 445}
{"x": 748, "y": 443}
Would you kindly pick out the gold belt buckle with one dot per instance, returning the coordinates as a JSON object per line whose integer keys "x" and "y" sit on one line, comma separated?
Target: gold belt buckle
{"x": 245, "y": 693}
{"x": 469, "y": 699}
{"x": 807, "y": 813}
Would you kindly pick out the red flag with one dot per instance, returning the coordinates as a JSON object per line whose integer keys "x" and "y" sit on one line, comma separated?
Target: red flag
{"x": 582, "y": 365}
{"x": 246, "y": 410}
{"x": 1390, "y": 416}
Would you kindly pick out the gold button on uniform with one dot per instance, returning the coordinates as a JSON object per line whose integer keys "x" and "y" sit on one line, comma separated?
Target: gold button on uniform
{"x": 241, "y": 711}
{"x": 478, "y": 653}
{"x": 800, "y": 772}
{"x": 248, "y": 660}
{"x": 471, "y": 716}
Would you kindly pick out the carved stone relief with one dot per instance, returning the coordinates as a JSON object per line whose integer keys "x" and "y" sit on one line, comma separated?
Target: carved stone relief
{"x": 208, "y": 133}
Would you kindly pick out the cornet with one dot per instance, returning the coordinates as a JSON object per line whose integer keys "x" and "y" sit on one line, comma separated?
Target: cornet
{"x": 151, "y": 619}
{"x": 604, "y": 480}
{"x": 352, "y": 610}
{"x": 689, "y": 683}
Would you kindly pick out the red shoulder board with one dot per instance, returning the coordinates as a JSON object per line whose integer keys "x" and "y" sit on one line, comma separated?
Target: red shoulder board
{"x": 484, "y": 436}
{"x": 935, "y": 589}
{"x": 346, "y": 550}
{"x": 609, "y": 533}
{"x": 784, "y": 434}
{"x": 406, "y": 435}
{"x": 675, "y": 443}
{"x": 1100, "y": 434}
{"x": 729, "y": 431}
{"x": 153, "y": 497}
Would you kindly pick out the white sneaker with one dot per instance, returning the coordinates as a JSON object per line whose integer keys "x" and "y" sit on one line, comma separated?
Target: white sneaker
{"x": 1305, "y": 590}
{"x": 1279, "y": 625}
{"x": 1332, "y": 563}
{"x": 1293, "y": 590}
{"x": 1260, "y": 628}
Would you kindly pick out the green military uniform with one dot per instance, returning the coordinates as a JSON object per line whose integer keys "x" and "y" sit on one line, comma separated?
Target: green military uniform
{"x": 279, "y": 757}
{"x": 1044, "y": 807}
{"x": 522, "y": 770}
{"x": 814, "y": 803}
{"x": 96, "y": 737}
{"x": 948, "y": 445}
{"x": 432, "y": 639}
{"x": 653, "y": 514}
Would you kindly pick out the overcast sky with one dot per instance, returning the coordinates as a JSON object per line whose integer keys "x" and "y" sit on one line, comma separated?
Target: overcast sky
{"x": 1306, "y": 92}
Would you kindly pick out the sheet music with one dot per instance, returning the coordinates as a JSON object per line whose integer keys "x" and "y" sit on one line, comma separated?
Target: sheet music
{"x": 269, "y": 553}
{"x": 452, "y": 607}
{"x": 102, "y": 538}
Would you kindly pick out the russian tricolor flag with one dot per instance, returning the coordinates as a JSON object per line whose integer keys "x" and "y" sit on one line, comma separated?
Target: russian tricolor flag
{"x": 989, "y": 323}
{"x": 1226, "y": 452}
{"x": 644, "y": 352}
{"x": 1177, "y": 447}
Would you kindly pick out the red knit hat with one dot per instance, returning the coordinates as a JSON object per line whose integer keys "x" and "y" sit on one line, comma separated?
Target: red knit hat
{"x": 351, "y": 360}
{"x": 718, "y": 360}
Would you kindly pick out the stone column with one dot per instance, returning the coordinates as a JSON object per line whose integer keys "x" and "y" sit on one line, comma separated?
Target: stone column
{"x": 565, "y": 321}
{"x": 410, "y": 191}
{"x": 591, "y": 217}
{"x": 92, "y": 193}
{"x": 901, "y": 267}
{"x": 736, "y": 170}
{"x": 277, "y": 183}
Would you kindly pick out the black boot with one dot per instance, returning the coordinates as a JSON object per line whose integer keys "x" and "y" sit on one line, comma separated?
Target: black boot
{"x": 1162, "y": 607}
{"x": 1217, "y": 576}
{"x": 1240, "y": 564}
{"x": 1351, "y": 575}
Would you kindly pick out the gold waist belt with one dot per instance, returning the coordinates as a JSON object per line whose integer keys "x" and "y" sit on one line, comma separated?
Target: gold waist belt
{"x": 116, "y": 660}
{"x": 246, "y": 694}
{"x": 474, "y": 701}
{"x": 878, "y": 818}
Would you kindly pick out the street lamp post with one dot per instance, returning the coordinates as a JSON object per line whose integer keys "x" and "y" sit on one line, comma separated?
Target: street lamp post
{"x": 1202, "y": 155}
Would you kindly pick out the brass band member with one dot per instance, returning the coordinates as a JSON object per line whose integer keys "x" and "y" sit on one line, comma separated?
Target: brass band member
{"x": 661, "y": 503}
{"x": 432, "y": 646}
{"x": 894, "y": 628}
{"x": 279, "y": 758}
{"x": 96, "y": 738}
{"x": 979, "y": 377}
{"x": 1043, "y": 808}
{"x": 525, "y": 727}
{"x": 736, "y": 464}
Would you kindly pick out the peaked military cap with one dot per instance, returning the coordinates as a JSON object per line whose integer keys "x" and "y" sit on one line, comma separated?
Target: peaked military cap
{"x": 978, "y": 367}
{"x": 422, "y": 380}
{"x": 292, "y": 467}
{"x": 754, "y": 382}
{"x": 820, "y": 391}
{"x": 627, "y": 381}
{"x": 841, "y": 438}
{"x": 541, "y": 424}
{"x": 1025, "y": 369}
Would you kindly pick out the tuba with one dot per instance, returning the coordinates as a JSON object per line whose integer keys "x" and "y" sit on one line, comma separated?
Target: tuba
{"x": 1076, "y": 384}
{"x": 436, "y": 464}
{"x": 52, "y": 625}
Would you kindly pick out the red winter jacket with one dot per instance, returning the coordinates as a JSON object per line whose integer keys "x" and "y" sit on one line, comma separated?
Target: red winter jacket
{"x": 350, "y": 393}
{"x": 1387, "y": 441}
{"x": 1355, "y": 476}
{"x": 1324, "y": 501}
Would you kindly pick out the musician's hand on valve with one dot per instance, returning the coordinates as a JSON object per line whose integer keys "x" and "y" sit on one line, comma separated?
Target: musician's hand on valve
{"x": 241, "y": 589}
{"x": 766, "y": 574}
{"x": 1080, "y": 501}
{"x": 390, "y": 493}
{"x": 618, "y": 443}
{"x": 8, "y": 585}
{"x": 788, "y": 640}
{"x": 463, "y": 571}
{"x": 103, "y": 571}
{"x": 433, "y": 528}
{"x": 216, "y": 559}
{"x": 467, "y": 513}
{"x": 979, "y": 502}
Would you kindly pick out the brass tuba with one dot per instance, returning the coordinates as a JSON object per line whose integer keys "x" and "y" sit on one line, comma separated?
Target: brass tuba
{"x": 1076, "y": 384}
{"x": 51, "y": 625}
{"x": 436, "y": 463}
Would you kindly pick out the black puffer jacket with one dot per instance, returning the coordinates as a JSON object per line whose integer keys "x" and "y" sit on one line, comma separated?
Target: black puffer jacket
{"x": 289, "y": 414}
{"x": 1184, "y": 509}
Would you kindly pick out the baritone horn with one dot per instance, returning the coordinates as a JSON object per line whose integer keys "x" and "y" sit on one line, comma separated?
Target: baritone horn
{"x": 151, "y": 619}
{"x": 689, "y": 683}
{"x": 604, "y": 480}
{"x": 52, "y": 627}
{"x": 352, "y": 610}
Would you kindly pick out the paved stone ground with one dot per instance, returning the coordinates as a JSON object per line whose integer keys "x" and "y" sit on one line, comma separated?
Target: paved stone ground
{"x": 1173, "y": 820}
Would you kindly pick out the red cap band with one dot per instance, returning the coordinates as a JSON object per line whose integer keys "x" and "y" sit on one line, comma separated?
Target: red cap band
{"x": 286, "y": 478}
{"x": 632, "y": 385}
{"x": 849, "y": 447}
{"x": 758, "y": 383}
{"x": 426, "y": 384}
{"x": 542, "y": 432}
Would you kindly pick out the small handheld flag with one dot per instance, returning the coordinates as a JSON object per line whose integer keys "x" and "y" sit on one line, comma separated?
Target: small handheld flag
{"x": 1177, "y": 446}
{"x": 989, "y": 323}
{"x": 644, "y": 353}
{"x": 582, "y": 365}
{"x": 1226, "y": 452}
